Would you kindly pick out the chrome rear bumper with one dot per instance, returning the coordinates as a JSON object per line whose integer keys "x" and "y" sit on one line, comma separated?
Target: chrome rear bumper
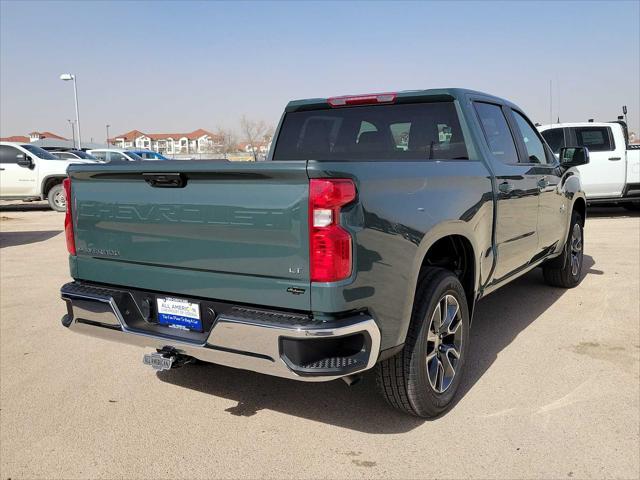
{"x": 274, "y": 343}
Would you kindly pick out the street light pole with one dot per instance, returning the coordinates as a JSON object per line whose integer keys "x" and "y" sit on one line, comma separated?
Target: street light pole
{"x": 73, "y": 131}
{"x": 108, "y": 134}
{"x": 75, "y": 94}
{"x": 66, "y": 77}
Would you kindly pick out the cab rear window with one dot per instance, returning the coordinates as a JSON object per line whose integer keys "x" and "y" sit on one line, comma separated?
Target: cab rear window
{"x": 596, "y": 139}
{"x": 416, "y": 131}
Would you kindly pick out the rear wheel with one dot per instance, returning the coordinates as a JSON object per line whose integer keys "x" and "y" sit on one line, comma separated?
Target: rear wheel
{"x": 566, "y": 270}
{"x": 422, "y": 379}
{"x": 56, "y": 198}
{"x": 634, "y": 207}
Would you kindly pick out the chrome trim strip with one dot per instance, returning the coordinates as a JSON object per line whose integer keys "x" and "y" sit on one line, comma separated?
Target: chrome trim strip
{"x": 228, "y": 341}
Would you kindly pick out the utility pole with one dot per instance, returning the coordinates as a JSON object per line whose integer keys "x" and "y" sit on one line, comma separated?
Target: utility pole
{"x": 550, "y": 102}
{"x": 73, "y": 131}
{"x": 107, "y": 134}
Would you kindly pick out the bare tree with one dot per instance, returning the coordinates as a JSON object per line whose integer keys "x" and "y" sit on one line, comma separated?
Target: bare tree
{"x": 255, "y": 133}
{"x": 228, "y": 141}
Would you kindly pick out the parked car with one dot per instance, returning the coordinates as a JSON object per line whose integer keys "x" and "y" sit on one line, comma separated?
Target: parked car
{"x": 613, "y": 174}
{"x": 70, "y": 154}
{"x": 28, "y": 172}
{"x": 149, "y": 155}
{"x": 114, "y": 155}
{"x": 365, "y": 240}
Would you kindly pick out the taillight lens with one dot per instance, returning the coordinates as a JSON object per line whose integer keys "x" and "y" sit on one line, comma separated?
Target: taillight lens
{"x": 368, "y": 99}
{"x": 329, "y": 244}
{"x": 68, "y": 219}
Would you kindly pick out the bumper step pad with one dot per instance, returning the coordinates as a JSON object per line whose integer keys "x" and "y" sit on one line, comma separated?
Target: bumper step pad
{"x": 336, "y": 363}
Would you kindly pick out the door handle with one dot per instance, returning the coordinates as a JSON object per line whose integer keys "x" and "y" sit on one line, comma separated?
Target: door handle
{"x": 543, "y": 183}
{"x": 615, "y": 159}
{"x": 1, "y": 168}
{"x": 505, "y": 187}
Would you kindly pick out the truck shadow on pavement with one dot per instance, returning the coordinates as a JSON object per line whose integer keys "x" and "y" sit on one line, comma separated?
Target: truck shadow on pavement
{"x": 611, "y": 212}
{"x": 24, "y": 207}
{"x": 498, "y": 320}
{"x": 501, "y": 316}
{"x": 11, "y": 239}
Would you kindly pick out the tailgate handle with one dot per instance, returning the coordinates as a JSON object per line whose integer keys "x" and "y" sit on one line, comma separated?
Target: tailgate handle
{"x": 165, "y": 180}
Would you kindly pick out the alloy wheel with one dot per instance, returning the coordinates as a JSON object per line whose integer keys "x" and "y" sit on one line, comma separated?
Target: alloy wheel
{"x": 60, "y": 200}
{"x": 576, "y": 249}
{"x": 444, "y": 343}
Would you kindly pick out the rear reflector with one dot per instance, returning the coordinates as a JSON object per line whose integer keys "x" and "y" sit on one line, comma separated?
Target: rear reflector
{"x": 330, "y": 256}
{"x": 68, "y": 218}
{"x": 368, "y": 99}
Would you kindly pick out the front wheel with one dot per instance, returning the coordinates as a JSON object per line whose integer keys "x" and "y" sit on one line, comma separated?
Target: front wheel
{"x": 57, "y": 199}
{"x": 422, "y": 379}
{"x": 566, "y": 270}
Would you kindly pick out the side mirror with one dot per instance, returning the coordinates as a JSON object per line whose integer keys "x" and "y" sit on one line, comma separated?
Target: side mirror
{"x": 574, "y": 156}
{"x": 24, "y": 160}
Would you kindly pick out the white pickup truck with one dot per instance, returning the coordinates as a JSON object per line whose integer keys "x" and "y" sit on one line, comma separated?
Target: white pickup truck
{"x": 28, "y": 172}
{"x": 613, "y": 173}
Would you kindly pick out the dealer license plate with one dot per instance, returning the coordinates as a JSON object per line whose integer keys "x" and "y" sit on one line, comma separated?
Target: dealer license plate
{"x": 179, "y": 313}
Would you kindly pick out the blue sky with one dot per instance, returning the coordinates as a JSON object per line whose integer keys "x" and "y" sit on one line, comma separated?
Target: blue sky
{"x": 178, "y": 66}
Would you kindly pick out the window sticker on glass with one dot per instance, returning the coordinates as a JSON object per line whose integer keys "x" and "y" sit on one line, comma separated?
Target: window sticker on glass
{"x": 444, "y": 133}
{"x": 592, "y": 137}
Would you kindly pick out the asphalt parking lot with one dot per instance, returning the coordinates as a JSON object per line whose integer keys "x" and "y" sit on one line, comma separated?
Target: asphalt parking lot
{"x": 551, "y": 390}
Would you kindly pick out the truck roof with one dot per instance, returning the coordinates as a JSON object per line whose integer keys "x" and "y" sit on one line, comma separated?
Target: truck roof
{"x": 435, "y": 93}
{"x": 575, "y": 124}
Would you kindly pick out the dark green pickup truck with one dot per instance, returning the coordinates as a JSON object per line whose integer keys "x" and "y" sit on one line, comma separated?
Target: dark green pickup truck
{"x": 365, "y": 240}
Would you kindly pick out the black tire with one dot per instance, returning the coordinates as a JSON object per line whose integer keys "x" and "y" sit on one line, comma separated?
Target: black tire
{"x": 405, "y": 379}
{"x": 56, "y": 198}
{"x": 633, "y": 207}
{"x": 566, "y": 270}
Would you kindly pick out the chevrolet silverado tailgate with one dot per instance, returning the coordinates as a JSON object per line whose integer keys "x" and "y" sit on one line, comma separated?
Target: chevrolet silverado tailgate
{"x": 231, "y": 230}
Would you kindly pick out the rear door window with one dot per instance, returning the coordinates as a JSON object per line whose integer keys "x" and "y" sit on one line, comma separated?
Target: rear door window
{"x": 554, "y": 138}
{"x": 531, "y": 139}
{"x": 596, "y": 139}
{"x": 497, "y": 133}
{"x": 416, "y": 131}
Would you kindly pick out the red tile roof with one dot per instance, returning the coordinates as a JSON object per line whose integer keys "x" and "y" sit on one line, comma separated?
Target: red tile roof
{"x": 49, "y": 135}
{"x": 133, "y": 134}
{"x": 15, "y": 138}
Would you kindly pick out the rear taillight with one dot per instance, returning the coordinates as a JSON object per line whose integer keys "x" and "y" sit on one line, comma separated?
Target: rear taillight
{"x": 329, "y": 244}
{"x": 68, "y": 219}
{"x": 368, "y": 99}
